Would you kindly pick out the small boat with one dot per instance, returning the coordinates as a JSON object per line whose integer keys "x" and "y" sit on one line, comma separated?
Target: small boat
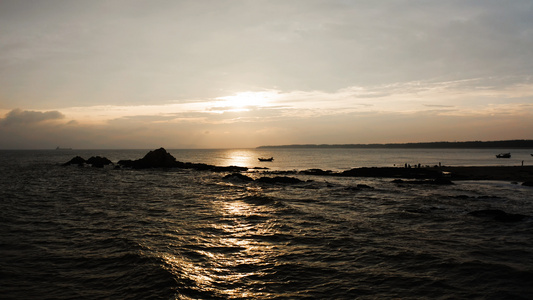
{"x": 504, "y": 155}
{"x": 266, "y": 159}
{"x": 59, "y": 148}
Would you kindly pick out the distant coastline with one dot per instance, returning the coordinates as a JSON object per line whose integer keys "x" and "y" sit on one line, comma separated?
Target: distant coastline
{"x": 508, "y": 144}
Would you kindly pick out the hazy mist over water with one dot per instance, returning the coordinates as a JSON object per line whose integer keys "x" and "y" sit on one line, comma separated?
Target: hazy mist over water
{"x": 90, "y": 233}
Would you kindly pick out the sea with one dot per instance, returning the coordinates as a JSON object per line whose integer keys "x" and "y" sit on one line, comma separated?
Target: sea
{"x": 70, "y": 232}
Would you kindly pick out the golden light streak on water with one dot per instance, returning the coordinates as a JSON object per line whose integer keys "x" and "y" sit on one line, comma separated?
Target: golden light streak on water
{"x": 227, "y": 259}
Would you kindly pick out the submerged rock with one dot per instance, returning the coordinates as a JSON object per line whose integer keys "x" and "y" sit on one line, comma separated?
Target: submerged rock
{"x": 436, "y": 181}
{"x": 497, "y": 215}
{"x": 279, "y": 179}
{"x": 237, "y": 177}
{"x": 228, "y": 169}
{"x": 316, "y": 172}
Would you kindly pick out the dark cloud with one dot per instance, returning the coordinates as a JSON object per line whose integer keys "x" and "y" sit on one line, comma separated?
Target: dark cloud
{"x": 18, "y": 116}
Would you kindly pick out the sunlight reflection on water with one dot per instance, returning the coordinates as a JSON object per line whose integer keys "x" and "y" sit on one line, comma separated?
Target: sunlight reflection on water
{"x": 242, "y": 158}
{"x": 228, "y": 261}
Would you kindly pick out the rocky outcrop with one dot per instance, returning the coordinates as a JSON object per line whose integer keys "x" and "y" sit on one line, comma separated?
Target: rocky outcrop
{"x": 316, "y": 172}
{"x": 527, "y": 183}
{"x": 279, "y": 179}
{"x": 158, "y": 158}
{"x": 237, "y": 177}
{"x": 387, "y": 172}
{"x": 436, "y": 181}
{"x": 99, "y": 161}
{"x": 78, "y": 160}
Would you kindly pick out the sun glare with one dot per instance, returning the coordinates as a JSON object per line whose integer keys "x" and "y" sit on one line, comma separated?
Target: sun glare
{"x": 245, "y": 100}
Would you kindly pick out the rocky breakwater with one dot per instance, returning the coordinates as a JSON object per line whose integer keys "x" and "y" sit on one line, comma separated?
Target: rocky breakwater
{"x": 158, "y": 158}
{"x": 388, "y": 172}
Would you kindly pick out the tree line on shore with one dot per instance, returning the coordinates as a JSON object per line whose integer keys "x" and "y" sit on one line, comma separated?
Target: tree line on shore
{"x": 507, "y": 144}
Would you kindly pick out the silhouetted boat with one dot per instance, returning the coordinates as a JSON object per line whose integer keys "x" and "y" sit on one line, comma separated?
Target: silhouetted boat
{"x": 504, "y": 155}
{"x": 59, "y": 148}
{"x": 266, "y": 159}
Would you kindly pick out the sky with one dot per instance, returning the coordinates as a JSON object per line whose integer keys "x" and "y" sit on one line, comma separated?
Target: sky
{"x": 245, "y": 73}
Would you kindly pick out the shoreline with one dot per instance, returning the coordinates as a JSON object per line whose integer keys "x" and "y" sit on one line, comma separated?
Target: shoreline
{"x": 507, "y": 173}
{"x": 160, "y": 158}
{"x": 455, "y": 173}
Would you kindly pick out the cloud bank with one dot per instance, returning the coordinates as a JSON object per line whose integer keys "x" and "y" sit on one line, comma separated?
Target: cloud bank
{"x": 18, "y": 116}
{"x": 238, "y": 73}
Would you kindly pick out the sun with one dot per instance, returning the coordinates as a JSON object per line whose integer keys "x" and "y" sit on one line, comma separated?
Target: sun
{"x": 245, "y": 100}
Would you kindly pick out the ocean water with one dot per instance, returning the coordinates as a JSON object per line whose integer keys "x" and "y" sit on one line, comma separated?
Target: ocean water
{"x": 88, "y": 233}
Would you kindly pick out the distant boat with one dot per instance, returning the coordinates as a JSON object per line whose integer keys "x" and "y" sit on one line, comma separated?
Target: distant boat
{"x": 266, "y": 159}
{"x": 504, "y": 155}
{"x": 59, "y": 148}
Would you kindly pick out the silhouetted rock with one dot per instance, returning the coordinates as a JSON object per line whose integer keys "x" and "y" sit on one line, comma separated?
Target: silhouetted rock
{"x": 316, "y": 172}
{"x": 159, "y": 158}
{"x": 98, "y": 161}
{"x": 387, "y": 172}
{"x": 228, "y": 169}
{"x": 237, "y": 177}
{"x": 128, "y": 163}
{"x": 497, "y": 215}
{"x": 279, "y": 179}
{"x": 75, "y": 161}
{"x": 528, "y": 183}
{"x": 442, "y": 181}
{"x": 364, "y": 187}
{"x": 436, "y": 181}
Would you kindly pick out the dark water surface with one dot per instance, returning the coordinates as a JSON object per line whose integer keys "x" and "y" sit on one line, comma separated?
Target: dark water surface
{"x": 86, "y": 233}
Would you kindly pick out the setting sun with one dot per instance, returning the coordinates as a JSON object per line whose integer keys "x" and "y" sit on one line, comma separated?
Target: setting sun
{"x": 242, "y": 101}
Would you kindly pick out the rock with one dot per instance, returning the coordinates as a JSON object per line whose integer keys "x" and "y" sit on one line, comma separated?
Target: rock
{"x": 497, "y": 215}
{"x": 158, "y": 158}
{"x": 528, "y": 183}
{"x": 228, "y": 169}
{"x": 75, "y": 161}
{"x": 128, "y": 163}
{"x": 98, "y": 161}
{"x": 437, "y": 181}
{"x": 316, "y": 172}
{"x": 279, "y": 179}
{"x": 237, "y": 177}
{"x": 364, "y": 187}
{"x": 442, "y": 181}
{"x": 389, "y": 172}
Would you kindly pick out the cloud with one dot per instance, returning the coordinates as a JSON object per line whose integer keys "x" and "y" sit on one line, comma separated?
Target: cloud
{"x": 18, "y": 116}
{"x": 101, "y": 52}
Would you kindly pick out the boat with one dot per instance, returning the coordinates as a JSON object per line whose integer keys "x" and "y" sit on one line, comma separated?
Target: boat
{"x": 59, "y": 148}
{"x": 266, "y": 159}
{"x": 504, "y": 155}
